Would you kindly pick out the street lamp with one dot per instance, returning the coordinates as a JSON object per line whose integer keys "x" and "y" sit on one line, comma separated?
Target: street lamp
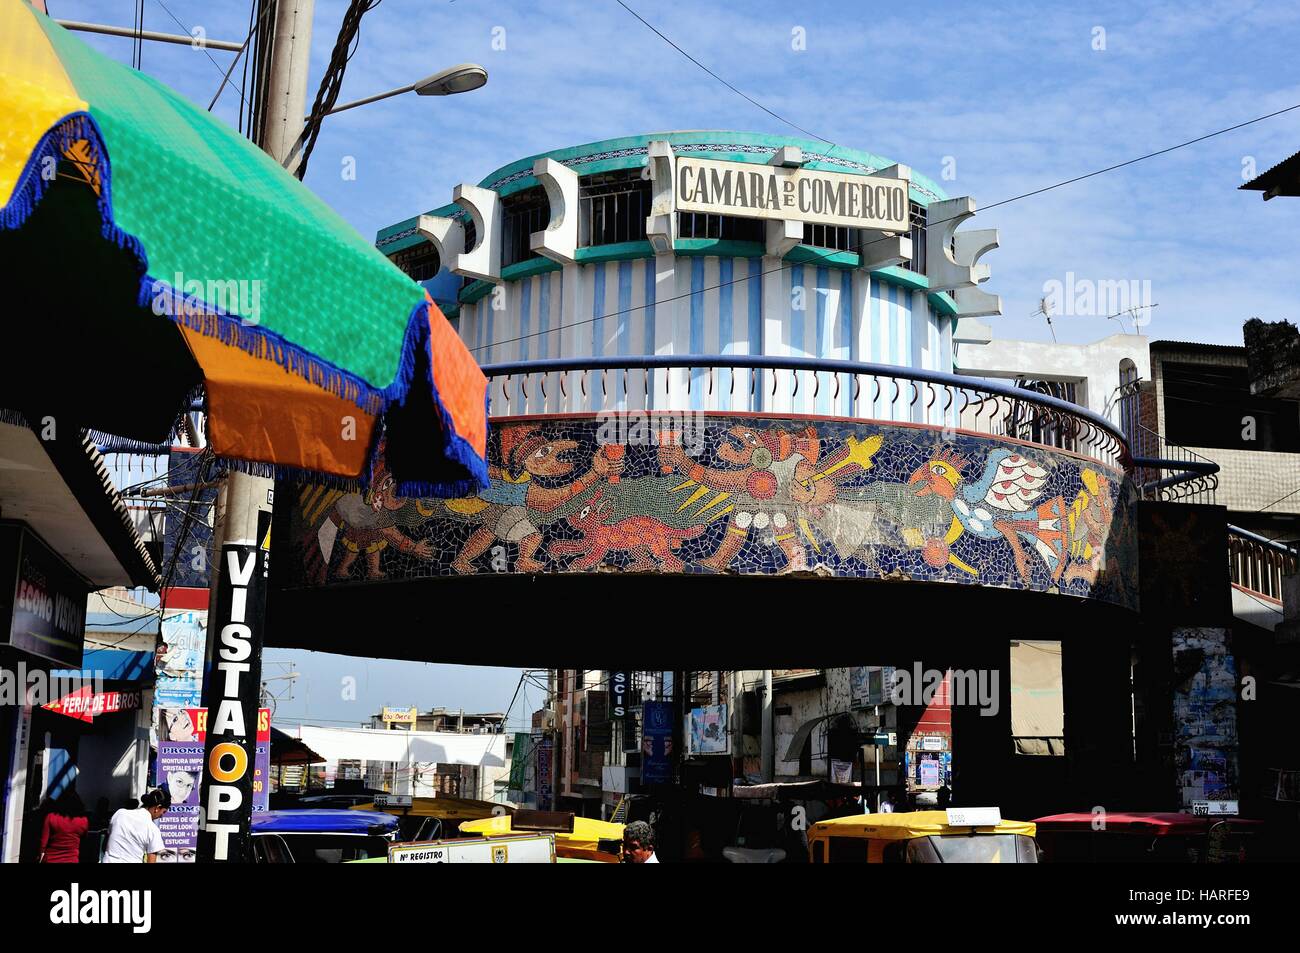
{"x": 455, "y": 79}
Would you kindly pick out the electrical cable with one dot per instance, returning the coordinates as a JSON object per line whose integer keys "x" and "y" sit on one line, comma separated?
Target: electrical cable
{"x": 332, "y": 82}
{"x": 827, "y": 254}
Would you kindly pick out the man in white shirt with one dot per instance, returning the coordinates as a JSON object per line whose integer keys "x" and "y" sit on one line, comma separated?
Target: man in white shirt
{"x": 133, "y": 834}
{"x": 639, "y": 844}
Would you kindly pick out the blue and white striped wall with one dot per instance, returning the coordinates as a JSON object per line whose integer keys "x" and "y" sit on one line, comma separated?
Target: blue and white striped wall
{"x": 708, "y": 305}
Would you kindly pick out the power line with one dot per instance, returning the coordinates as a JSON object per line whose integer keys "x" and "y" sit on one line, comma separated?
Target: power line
{"x": 829, "y": 253}
{"x": 743, "y": 95}
{"x": 225, "y": 74}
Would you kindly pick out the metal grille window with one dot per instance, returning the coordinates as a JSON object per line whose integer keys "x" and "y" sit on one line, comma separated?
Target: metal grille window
{"x": 420, "y": 262}
{"x": 612, "y": 208}
{"x": 916, "y": 232}
{"x": 830, "y": 236}
{"x": 722, "y": 227}
{"x": 522, "y": 214}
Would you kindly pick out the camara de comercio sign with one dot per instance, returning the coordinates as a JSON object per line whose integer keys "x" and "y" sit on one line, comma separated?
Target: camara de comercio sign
{"x": 719, "y": 187}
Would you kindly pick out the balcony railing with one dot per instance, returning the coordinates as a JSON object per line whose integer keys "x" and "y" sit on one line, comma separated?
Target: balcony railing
{"x": 1258, "y": 564}
{"x": 803, "y": 387}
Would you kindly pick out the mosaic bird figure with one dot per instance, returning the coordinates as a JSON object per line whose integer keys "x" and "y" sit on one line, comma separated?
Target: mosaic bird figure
{"x": 1002, "y": 504}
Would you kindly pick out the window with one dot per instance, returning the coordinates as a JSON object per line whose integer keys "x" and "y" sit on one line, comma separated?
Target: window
{"x": 522, "y": 214}
{"x": 612, "y": 208}
{"x": 419, "y": 262}
{"x": 847, "y": 850}
{"x": 916, "y": 219}
{"x": 830, "y": 236}
{"x": 1037, "y": 698}
{"x": 723, "y": 227}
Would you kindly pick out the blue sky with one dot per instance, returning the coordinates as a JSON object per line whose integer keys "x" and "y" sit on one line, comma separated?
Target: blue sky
{"x": 1014, "y": 93}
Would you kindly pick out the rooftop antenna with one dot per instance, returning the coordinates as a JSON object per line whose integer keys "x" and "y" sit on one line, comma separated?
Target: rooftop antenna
{"x": 1118, "y": 316}
{"x": 1045, "y": 309}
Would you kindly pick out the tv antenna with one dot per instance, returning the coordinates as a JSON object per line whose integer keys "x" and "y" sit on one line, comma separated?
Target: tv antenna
{"x": 1045, "y": 309}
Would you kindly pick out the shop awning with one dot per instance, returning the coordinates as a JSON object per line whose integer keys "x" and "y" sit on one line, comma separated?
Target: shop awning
{"x": 61, "y": 489}
{"x": 286, "y": 749}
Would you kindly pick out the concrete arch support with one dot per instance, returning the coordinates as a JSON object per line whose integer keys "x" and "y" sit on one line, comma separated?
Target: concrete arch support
{"x": 447, "y": 235}
{"x": 483, "y": 261}
{"x": 559, "y": 240}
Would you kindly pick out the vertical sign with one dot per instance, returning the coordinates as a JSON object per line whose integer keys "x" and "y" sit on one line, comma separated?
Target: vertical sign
{"x": 620, "y": 685}
{"x": 657, "y": 743}
{"x": 231, "y": 691}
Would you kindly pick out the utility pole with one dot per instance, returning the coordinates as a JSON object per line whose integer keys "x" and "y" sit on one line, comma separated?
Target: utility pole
{"x": 767, "y": 744}
{"x": 241, "y": 559}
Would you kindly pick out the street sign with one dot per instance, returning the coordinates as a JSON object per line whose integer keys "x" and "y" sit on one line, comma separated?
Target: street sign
{"x": 974, "y": 816}
{"x": 522, "y": 849}
{"x": 880, "y": 739}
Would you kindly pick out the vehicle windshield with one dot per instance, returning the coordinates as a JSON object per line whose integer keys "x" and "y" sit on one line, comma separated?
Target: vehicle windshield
{"x": 335, "y": 848}
{"x": 973, "y": 849}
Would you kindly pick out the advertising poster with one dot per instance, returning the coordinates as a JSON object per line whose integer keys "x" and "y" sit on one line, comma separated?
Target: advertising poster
{"x": 182, "y": 733}
{"x": 178, "y": 662}
{"x": 708, "y": 730}
{"x": 657, "y": 743}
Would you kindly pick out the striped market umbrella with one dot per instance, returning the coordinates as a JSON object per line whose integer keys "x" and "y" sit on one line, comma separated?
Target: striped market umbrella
{"x": 152, "y": 256}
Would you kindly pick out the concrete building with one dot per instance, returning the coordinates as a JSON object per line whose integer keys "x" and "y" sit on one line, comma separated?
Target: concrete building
{"x": 745, "y": 416}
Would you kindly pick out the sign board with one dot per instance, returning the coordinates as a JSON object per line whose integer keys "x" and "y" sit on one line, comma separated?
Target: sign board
{"x": 932, "y": 743}
{"x": 393, "y": 800}
{"x": 520, "y": 849}
{"x": 400, "y": 716}
{"x": 231, "y": 689}
{"x": 1214, "y": 808}
{"x": 841, "y": 772}
{"x": 657, "y": 743}
{"x": 620, "y": 691}
{"x": 974, "y": 816}
{"x": 85, "y": 704}
{"x": 748, "y": 190}
{"x": 930, "y": 773}
{"x": 42, "y": 599}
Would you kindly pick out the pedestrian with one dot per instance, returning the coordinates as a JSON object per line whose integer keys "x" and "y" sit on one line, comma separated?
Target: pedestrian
{"x": 639, "y": 844}
{"x": 64, "y": 826}
{"x": 133, "y": 834}
{"x": 945, "y": 797}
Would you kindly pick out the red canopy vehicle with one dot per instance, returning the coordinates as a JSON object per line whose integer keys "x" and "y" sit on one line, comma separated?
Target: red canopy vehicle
{"x": 1144, "y": 837}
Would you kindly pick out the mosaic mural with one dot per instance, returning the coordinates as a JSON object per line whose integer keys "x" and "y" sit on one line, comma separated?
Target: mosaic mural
{"x": 754, "y": 495}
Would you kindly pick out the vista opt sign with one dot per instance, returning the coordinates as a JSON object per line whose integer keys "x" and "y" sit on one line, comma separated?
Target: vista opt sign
{"x": 746, "y": 190}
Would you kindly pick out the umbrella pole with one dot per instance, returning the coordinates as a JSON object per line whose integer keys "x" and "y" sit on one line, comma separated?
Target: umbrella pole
{"x": 241, "y": 537}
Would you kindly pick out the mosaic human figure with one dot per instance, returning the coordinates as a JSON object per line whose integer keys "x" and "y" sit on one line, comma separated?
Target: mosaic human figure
{"x": 757, "y": 487}
{"x": 510, "y": 508}
{"x": 368, "y": 523}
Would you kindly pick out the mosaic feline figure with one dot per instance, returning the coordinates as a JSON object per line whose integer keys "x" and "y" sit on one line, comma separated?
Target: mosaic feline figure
{"x": 649, "y": 541}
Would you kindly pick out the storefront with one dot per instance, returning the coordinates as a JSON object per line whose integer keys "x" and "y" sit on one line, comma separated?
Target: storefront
{"x": 65, "y": 533}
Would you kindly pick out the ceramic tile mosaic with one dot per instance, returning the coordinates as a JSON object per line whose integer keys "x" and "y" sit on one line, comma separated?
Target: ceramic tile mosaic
{"x": 748, "y": 495}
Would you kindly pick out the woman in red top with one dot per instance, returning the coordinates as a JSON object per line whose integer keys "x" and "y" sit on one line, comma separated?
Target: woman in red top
{"x": 65, "y": 824}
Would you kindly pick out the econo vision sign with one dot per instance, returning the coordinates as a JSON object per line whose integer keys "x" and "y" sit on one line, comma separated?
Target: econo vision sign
{"x": 746, "y": 190}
